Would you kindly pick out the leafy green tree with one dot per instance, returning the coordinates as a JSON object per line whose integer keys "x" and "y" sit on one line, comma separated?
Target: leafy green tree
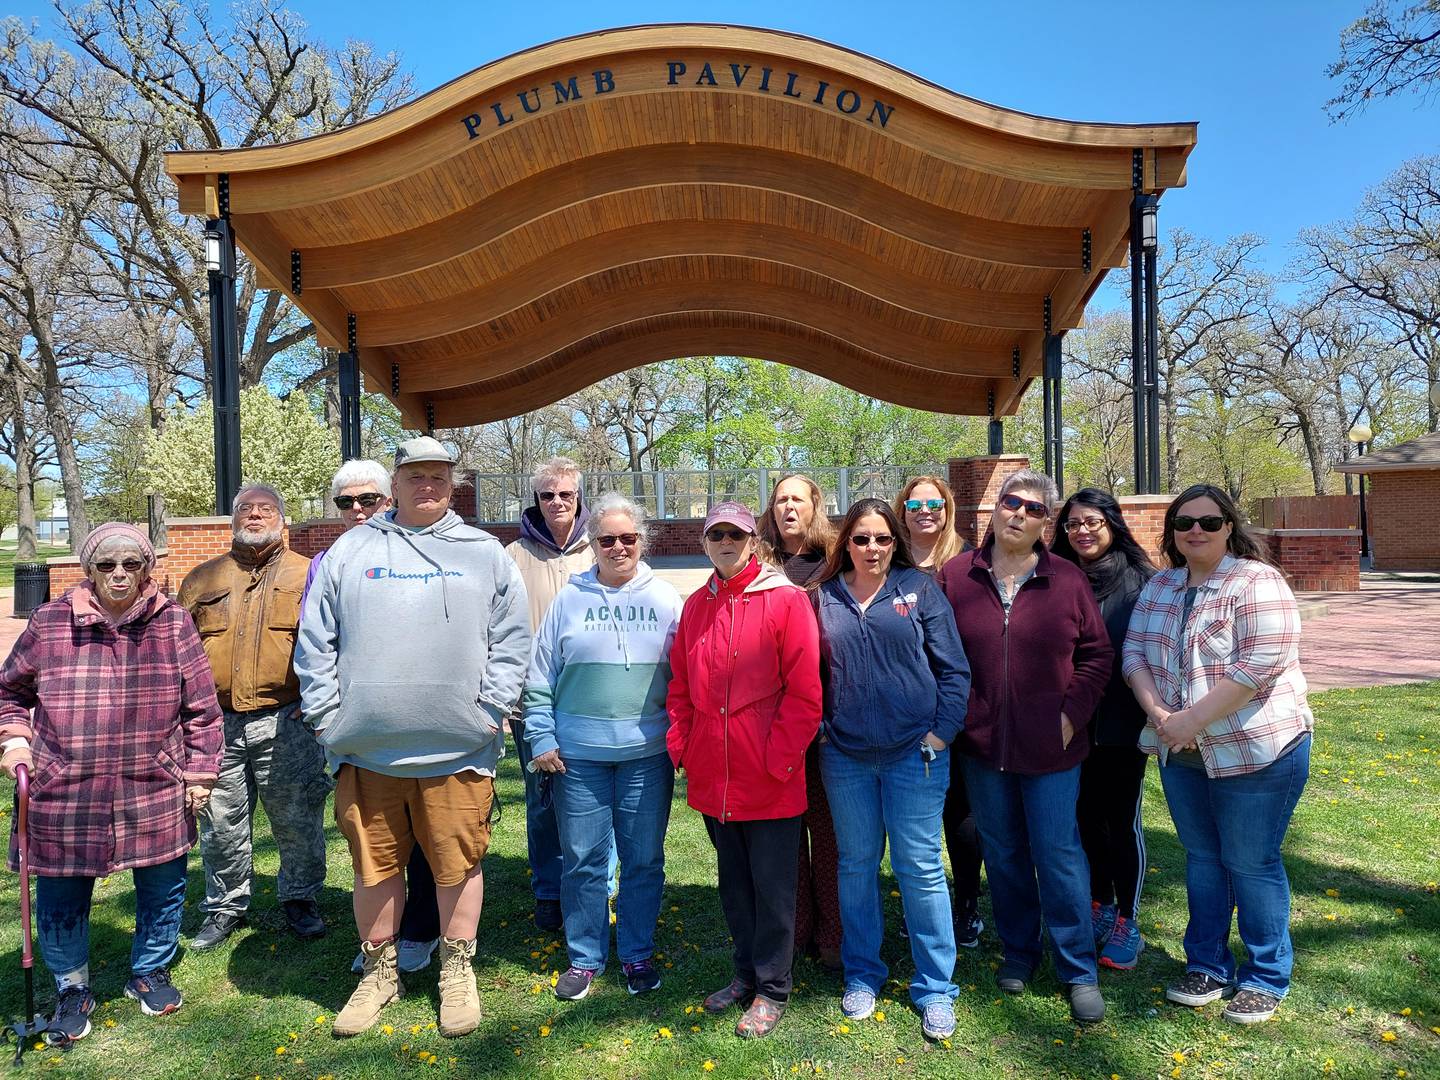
{"x": 282, "y": 443}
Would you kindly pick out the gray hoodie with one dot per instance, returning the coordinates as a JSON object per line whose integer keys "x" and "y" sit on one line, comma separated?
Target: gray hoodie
{"x": 413, "y": 648}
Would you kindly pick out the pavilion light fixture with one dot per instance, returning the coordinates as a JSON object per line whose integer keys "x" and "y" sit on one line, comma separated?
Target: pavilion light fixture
{"x": 1149, "y": 232}
{"x": 213, "y": 261}
{"x": 1361, "y": 434}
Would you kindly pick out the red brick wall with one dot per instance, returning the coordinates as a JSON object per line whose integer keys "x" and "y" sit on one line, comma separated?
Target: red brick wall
{"x": 1316, "y": 560}
{"x": 1402, "y": 508}
{"x": 1145, "y": 514}
{"x": 976, "y": 482}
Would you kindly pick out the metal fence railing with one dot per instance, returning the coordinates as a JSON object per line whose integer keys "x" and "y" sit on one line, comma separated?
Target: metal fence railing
{"x": 684, "y": 493}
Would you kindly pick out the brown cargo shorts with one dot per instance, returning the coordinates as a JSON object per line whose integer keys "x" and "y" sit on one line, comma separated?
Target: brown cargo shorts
{"x": 384, "y": 817}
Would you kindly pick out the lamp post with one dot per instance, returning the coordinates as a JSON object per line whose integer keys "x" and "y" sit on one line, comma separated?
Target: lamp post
{"x": 1360, "y": 435}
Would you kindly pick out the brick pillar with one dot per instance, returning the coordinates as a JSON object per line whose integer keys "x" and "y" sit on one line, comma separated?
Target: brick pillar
{"x": 976, "y": 483}
{"x": 1145, "y": 514}
{"x": 462, "y": 498}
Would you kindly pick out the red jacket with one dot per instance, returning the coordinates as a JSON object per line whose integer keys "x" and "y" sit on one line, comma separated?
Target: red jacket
{"x": 744, "y": 698}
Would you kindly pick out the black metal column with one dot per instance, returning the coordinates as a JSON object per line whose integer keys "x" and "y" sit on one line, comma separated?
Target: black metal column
{"x": 1139, "y": 412}
{"x": 1055, "y": 412}
{"x": 1364, "y": 521}
{"x": 350, "y": 397}
{"x": 997, "y": 437}
{"x": 224, "y": 352}
{"x": 1047, "y": 409}
{"x": 1153, "y": 472}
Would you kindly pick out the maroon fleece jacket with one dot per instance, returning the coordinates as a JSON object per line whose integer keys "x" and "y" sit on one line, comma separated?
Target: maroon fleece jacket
{"x": 1052, "y": 656}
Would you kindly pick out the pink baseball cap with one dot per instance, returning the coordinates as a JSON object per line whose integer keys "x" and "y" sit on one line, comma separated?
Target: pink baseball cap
{"x": 731, "y": 513}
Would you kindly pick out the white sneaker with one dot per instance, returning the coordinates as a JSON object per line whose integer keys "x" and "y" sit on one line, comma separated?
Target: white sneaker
{"x": 416, "y": 955}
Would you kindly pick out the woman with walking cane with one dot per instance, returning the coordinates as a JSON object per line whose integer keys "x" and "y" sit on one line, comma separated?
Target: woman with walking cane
{"x": 108, "y": 701}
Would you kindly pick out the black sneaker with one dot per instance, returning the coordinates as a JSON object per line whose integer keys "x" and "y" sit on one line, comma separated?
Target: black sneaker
{"x": 1195, "y": 988}
{"x": 215, "y": 929}
{"x": 1012, "y": 977}
{"x": 155, "y": 992}
{"x": 641, "y": 977}
{"x": 967, "y": 927}
{"x": 72, "y": 1016}
{"x": 548, "y": 916}
{"x": 574, "y": 984}
{"x": 304, "y": 919}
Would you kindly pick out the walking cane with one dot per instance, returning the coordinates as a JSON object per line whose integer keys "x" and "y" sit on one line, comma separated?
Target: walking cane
{"x": 22, "y": 1030}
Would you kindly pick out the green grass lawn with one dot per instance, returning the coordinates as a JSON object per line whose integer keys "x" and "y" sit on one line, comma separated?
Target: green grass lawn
{"x": 1364, "y": 853}
{"x": 7, "y": 558}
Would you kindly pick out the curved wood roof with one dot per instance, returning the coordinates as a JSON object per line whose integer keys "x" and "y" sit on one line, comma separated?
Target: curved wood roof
{"x": 635, "y": 195}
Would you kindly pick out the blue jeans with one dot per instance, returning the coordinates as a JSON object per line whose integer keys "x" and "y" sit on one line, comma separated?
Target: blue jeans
{"x": 903, "y": 800}
{"x": 1231, "y": 829}
{"x": 542, "y": 834}
{"x": 1036, "y": 866}
{"x": 62, "y": 920}
{"x": 624, "y": 805}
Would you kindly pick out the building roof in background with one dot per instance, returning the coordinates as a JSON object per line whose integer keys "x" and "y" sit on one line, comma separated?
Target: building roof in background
{"x": 1417, "y": 454}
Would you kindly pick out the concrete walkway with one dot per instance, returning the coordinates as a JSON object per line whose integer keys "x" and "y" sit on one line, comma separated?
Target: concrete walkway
{"x": 1377, "y": 636}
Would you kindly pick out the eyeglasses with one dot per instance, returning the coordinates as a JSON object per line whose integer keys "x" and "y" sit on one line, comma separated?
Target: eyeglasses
{"x": 367, "y": 500}
{"x": 550, "y": 496}
{"x": 1210, "y": 522}
{"x": 914, "y": 505}
{"x": 623, "y": 539}
{"x": 716, "y": 535}
{"x": 131, "y": 566}
{"x": 1089, "y": 524}
{"x": 265, "y": 510}
{"x": 864, "y": 540}
{"x": 1034, "y": 509}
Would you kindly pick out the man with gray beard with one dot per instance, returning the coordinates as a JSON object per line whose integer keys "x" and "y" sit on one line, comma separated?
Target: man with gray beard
{"x": 246, "y": 605}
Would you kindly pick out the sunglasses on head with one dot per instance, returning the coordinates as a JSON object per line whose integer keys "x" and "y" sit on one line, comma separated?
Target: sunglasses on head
{"x": 924, "y": 504}
{"x": 865, "y": 540}
{"x": 1034, "y": 509}
{"x": 1210, "y": 522}
{"x": 1090, "y": 524}
{"x": 550, "y": 496}
{"x": 733, "y": 535}
{"x": 623, "y": 539}
{"x": 131, "y": 566}
{"x": 367, "y": 500}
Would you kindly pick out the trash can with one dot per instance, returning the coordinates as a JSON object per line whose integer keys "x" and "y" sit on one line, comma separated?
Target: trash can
{"x": 32, "y": 586}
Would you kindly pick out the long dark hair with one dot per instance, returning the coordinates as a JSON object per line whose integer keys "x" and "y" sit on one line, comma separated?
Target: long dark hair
{"x": 839, "y": 560}
{"x": 1125, "y": 553}
{"x": 1242, "y": 543}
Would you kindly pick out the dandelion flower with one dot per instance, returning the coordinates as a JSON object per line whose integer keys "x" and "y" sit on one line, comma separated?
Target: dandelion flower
{"x": 280, "y": 1051}
{"x": 666, "y": 1033}
{"x": 709, "y": 1065}
{"x": 386, "y": 1029}
{"x": 843, "y": 1029}
{"x": 1332, "y": 892}
{"x": 879, "y": 1017}
{"x": 544, "y": 1031}
{"x": 1388, "y": 1036}
{"x": 1178, "y": 1057}
{"x": 321, "y": 1019}
{"x": 1405, "y": 1011}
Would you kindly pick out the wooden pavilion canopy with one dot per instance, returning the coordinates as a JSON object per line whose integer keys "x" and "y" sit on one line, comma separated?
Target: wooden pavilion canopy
{"x": 635, "y": 195}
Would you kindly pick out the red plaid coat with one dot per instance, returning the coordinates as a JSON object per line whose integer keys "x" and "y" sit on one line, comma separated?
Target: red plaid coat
{"x": 121, "y": 719}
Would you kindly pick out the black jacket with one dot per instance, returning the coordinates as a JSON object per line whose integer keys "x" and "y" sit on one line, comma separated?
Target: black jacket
{"x": 1119, "y": 718}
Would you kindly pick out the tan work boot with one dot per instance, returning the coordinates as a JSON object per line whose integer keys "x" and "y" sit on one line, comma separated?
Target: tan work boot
{"x": 459, "y": 999}
{"x": 379, "y": 986}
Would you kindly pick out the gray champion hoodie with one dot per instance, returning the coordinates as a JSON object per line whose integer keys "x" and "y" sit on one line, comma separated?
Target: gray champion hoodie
{"x": 413, "y": 648}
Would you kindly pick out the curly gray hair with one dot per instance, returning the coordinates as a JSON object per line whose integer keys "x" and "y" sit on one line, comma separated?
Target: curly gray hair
{"x": 1030, "y": 480}
{"x": 612, "y": 502}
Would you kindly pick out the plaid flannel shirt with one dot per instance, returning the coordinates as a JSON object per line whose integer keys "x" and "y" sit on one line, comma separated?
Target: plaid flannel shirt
{"x": 1244, "y": 626}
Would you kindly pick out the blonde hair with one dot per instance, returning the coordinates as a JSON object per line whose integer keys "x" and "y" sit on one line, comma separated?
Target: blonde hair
{"x": 950, "y": 543}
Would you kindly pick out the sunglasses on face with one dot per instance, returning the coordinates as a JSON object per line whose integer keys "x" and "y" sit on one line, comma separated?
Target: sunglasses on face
{"x": 131, "y": 566}
{"x": 864, "y": 540}
{"x": 367, "y": 500}
{"x": 1034, "y": 509}
{"x": 550, "y": 496}
{"x": 1210, "y": 522}
{"x": 623, "y": 539}
{"x": 915, "y": 505}
{"x": 734, "y": 535}
{"x": 1089, "y": 524}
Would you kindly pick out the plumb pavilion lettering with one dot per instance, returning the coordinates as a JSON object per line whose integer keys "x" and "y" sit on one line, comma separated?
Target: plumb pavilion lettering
{"x": 754, "y": 78}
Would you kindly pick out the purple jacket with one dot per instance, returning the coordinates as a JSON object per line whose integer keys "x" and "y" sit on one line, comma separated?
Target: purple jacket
{"x": 122, "y": 718}
{"x": 1052, "y": 655}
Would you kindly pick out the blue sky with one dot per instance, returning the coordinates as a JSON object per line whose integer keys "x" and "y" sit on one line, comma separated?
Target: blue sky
{"x": 1252, "y": 74}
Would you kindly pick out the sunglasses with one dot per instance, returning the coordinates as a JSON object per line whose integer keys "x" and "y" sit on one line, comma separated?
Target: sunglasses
{"x": 1034, "y": 509}
{"x": 1210, "y": 522}
{"x": 623, "y": 539}
{"x": 734, "y": 535}
{"x": 367, "y": 500}
{"x": 131, "y": 566}
{"x": 1089, "y": 524}
{"x": 550, "y": 496}
{"x": 864, "y": 540}
{"x": 924, "y": 504}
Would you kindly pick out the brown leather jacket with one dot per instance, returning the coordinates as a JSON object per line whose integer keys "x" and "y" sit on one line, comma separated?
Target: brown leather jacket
{"x": 246, "y": 605}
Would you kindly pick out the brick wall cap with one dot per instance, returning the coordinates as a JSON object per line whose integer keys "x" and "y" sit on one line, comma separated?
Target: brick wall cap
{"x": 197, "y": 521}
{"x": 74, "y": 560}
{"x": 1144, "y": 500}
{"x": 991, "y": 457}
{"x": 1307, "y": 532}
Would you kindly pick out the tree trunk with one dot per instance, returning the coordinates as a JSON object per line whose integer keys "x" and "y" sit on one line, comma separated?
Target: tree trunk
{"x": 64, "y": 436}
{"x": 1312, "y": 451}
{"x": 24, "y": 491}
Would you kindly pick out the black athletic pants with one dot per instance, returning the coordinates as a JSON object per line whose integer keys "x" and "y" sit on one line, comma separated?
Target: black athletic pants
{"x": 1111, "y": 781}
{"x": 758, "y": 869}
{"x": 962, "y": 840}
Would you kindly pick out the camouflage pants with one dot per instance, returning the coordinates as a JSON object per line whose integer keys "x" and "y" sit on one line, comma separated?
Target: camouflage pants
{"x": 270, "y": 755}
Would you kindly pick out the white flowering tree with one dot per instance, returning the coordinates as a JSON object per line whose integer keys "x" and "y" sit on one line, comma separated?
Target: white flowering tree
{"x": 282, "y": 443}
